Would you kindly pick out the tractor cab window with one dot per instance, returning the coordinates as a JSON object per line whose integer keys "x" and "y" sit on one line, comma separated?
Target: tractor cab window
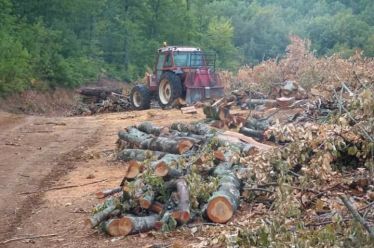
{"x": 160, "y": 65}
{"x": 188, "y": 59}
{"x": 168, "y": 60}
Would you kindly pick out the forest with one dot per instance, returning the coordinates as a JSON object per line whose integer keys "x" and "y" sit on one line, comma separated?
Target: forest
{"x": 65, "y": 43}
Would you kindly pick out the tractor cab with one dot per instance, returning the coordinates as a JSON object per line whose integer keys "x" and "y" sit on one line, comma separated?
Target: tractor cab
{"x": 183, "y": 72}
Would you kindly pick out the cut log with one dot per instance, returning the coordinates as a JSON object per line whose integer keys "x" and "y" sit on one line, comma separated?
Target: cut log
{"x": 189, "y": 110}
{"x": 248, "y": 140}
{"x": 149, "y": 128}
{"x": 225, "y": 201}
{"x": 167, "y": 145}
{"x": 156, "y": 207}
{"x": 106, "y": 193}
{"x": 258, "y": 124}
{"x": 99, "y": 217}
{"x": 252, "y": 133}
{"x": 130, "y": 225}
{"x": 254, "y": 102}
{"x": 146, "y": 200}
{"x": 138, "y": 155}
{"x": 166, "y": 165}
{"x": 182, "y": 214}
{"x": 134, "y": 136}
{"x": 285, "y": 102}
{"x": 197, "y": 128}
{"x": 216, "y": 112}
{"x": 226, "y": 140}
{"x": 133, "y": 169}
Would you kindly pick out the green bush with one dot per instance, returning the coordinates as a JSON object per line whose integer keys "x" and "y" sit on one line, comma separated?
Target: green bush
{"x": 14, "y": 64}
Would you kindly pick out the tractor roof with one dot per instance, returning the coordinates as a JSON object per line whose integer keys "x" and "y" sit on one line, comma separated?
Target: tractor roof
{"x": 179, "y": 49}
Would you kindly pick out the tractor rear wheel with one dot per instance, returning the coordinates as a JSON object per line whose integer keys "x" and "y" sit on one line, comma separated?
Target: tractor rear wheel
{"x": 169, "y": 89}
{"x": 140, "y": 97}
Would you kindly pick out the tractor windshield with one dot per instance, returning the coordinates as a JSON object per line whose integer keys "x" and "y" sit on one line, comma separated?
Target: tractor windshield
{"x": 188, "y": 59}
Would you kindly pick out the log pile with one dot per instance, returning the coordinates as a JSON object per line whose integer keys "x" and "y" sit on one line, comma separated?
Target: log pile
{"x": 159, "y": 190}
{"x": 101, "y": 100}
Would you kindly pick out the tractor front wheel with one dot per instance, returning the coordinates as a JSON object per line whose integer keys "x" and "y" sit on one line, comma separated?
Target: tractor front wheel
{"x": 169, "y": 89}
{"x": 140, "y": 97}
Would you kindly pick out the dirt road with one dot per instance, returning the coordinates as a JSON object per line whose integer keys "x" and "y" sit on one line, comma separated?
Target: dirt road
{"x": 40, "y": 153}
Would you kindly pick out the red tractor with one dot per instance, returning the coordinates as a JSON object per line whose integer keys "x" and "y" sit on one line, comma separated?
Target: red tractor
{"x": 180, "y": 72}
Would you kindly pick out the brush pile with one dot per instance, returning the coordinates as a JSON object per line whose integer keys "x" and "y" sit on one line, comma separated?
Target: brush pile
{"x": 101, "y": 100}
{"x": 175, "y": 175}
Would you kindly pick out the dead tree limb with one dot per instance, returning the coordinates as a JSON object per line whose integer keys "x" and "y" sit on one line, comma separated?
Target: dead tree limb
{"x": 28, "y": 237}
{"x": 356, "y": 214}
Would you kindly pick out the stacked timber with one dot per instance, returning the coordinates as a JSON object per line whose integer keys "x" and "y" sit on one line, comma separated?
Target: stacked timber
{"x": 158, "y": 191}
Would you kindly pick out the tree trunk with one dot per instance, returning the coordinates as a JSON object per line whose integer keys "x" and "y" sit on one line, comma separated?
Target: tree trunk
{"x": 225, "y": 201}
{"x": 225, "y": 140}
{"x": 182, "y": 214}
{"x": 130, "y": 225}
{"x": 106, "y": 193}
{"x": 133, "y": 136}
{"x": 138, "y": 155}
{"x": 197, "y": 128}
{"x": 167, "y": 145}
{"x": 149, "y": 128}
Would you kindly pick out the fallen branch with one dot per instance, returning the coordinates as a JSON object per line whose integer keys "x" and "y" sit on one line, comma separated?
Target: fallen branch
{"x": 29, "y": 237}
{"x": 356, "y": 214}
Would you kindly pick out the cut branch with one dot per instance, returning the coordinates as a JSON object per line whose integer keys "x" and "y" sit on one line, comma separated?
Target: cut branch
{"x": 130, "y": 225}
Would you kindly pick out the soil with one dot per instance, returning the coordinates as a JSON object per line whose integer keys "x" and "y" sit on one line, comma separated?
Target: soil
{"x": 38, "y": 153}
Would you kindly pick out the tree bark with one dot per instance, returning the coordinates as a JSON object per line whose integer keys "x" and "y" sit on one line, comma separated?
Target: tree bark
{"x": 197, "y": 128}
{"x": 225, "y": 201}
{"x": 138, "y": 155}
{"x": 130, "y": 225}
{"x": 149, "y": 128}
{"x": 99, "y": 217}
{"x": 133, "y": 136}
{"x": 252, "y": 133}
{"x": 167, "y": 145}
{"x": 225, "y": 140}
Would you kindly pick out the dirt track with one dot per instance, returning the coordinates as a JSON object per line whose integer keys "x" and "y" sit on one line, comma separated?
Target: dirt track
{"x": 38, "y": 153}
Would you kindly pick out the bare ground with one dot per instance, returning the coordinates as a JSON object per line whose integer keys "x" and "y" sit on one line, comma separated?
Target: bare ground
{"x": 38, "y": 153}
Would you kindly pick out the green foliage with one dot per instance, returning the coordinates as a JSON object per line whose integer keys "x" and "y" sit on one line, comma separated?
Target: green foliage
{"x": 68, "y": 42}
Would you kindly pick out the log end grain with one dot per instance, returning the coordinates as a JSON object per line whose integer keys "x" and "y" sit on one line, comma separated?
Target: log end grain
{"x": 145, "y": 203}
{"x": 184, "y": 146}
{"x": 119, "y": 227}
{"x": 220, "y": 210}
{"x": 181, "y": 216}
{"x": 161, "y": 169}
{"x": 133, "y": 170}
